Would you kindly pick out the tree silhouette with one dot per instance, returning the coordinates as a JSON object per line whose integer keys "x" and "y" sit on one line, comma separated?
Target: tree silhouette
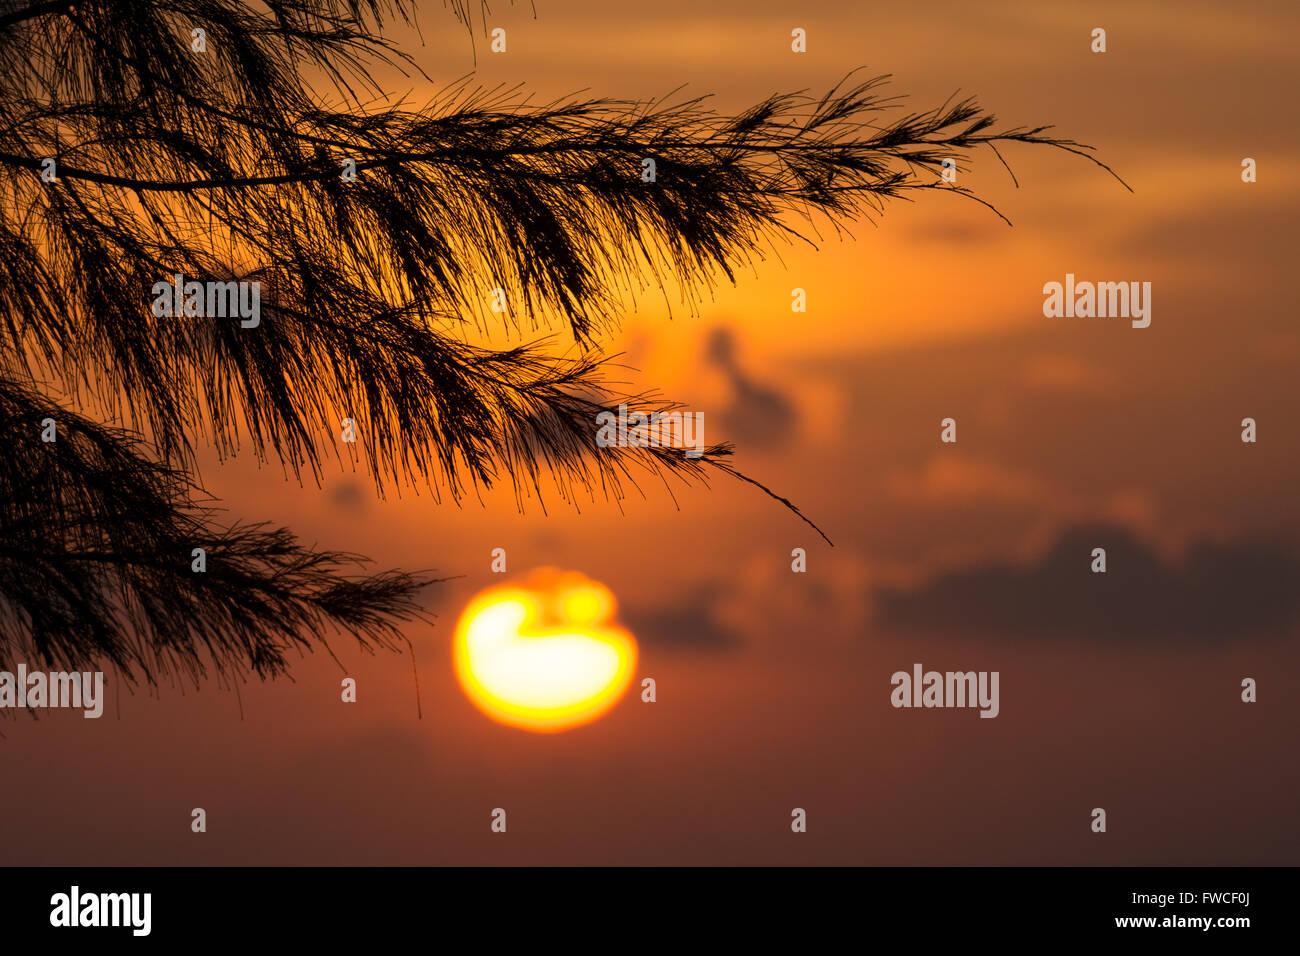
{"x": 208, "y": 139}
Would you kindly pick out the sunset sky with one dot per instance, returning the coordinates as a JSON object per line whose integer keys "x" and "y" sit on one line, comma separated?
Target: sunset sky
{"x": 1120, "y": 692}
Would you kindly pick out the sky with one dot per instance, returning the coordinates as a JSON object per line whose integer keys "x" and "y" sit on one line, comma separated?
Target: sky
{"x": 1119, "y": 691}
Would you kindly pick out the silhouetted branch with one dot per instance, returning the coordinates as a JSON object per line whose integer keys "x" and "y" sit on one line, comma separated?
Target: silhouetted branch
{"x": 225, "y": 164}
{"x": 97, "y": 564}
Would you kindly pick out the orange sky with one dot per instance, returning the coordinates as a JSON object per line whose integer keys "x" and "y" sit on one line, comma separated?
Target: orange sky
{"x": 774, "y": 687}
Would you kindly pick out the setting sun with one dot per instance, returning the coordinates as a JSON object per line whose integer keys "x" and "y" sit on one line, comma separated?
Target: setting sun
{"x": 545, "y": 655}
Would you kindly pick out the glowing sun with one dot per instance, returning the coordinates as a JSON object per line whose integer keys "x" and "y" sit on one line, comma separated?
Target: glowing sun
{"x": 546, "y": 655}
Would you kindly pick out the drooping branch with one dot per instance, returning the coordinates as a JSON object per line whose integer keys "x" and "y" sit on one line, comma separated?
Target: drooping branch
{"x": 31, "y": 11}
{"x": 98, "y": 564}
{"x": 471, "y": 193}
{"x": 222, "y": 159}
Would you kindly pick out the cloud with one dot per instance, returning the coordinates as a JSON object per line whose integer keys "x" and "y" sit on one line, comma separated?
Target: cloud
{"x": 949, "y": 479}
{"x": 687, "y": 621}
{"x": 348, "y": 495}
{"x": 981, "y": 230}
{"x": 762, "y": 600}
{"x": 1217, "y": 592}
{"x": 758, "y": 416}
{"x": 1065, "y": 373}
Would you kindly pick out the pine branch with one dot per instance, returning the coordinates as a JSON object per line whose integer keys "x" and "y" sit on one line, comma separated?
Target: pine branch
{"x": 226, "y": 164}
{"x": 96, "y": 564}
{"x": 548, "y": 203}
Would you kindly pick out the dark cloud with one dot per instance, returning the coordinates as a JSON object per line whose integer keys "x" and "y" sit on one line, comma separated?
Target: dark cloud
{"x": 960, "y": 232}
{"x": 1251, "y": 229}
{"x": 758, "y": 415}
{"x": 688, "y": 622}
{"x": 1218, "y": 592}
{"x": 347, "y": 495}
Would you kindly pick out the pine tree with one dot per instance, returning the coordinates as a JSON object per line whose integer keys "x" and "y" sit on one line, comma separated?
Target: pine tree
{"x": 213, "y": 140}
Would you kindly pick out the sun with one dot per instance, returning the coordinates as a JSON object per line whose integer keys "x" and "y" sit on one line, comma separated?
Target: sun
{"x": 545, "y": 655}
